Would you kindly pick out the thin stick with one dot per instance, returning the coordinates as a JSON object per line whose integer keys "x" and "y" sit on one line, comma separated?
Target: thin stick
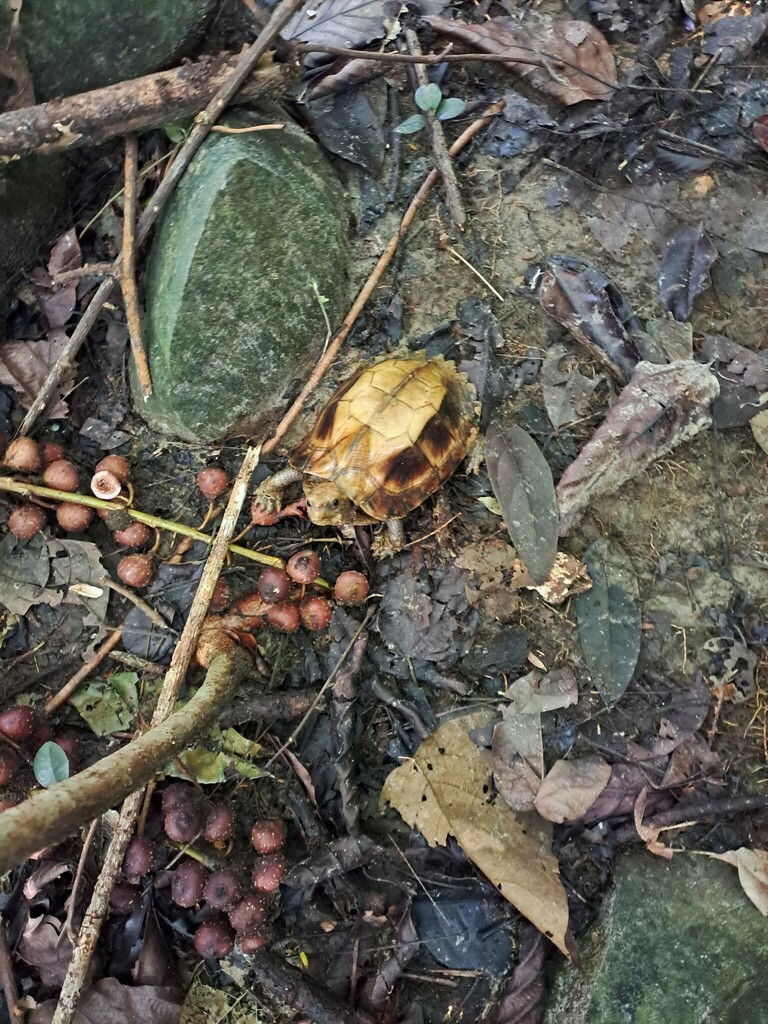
{"x": 99, "y": 905}
{"x": 146, "y": 609}
{"x": 78, "y": 878}
{"x": 89, "y": 270}
{"x": 8, "y": 979}
{"x": 66, "y": 691}
{"x": 194, "y": 140}
{"x": 443, "y": 162}
{"x": 376, "y": 274}
{"x": 128, "y": 266}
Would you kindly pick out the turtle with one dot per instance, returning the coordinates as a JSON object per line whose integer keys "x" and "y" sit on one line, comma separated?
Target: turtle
{"x": 387, "y": 439}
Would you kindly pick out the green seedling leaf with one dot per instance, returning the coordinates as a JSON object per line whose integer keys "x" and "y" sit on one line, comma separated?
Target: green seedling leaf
{"x": 411, "y": 125}
{"x": 608, "y": 619}
{"x": 450, "y": 108}
{"x": 522, "y": 483}
{"x": 175, "y": 132}
{"x": 428, "y": 97}
{"x": 50, "y": 765}
{"x": 108, "y": 705}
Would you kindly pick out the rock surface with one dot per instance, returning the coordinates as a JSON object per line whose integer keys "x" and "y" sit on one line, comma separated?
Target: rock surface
{"x": 76, "y": 45}
{"x": 676, "y": 943}
{"x": 232, "y": 314}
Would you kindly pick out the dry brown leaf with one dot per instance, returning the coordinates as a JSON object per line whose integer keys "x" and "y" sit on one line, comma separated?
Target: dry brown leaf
{"x": 24, "y": 365}
{"x": 569, "y": 576}
{"x": 569, "y": 60}
{"x": 13, "y": 65}
{"x": 517, "y": 751}
{"x": 571, "y": 787}
{"x": 445, "y": 790}
{"x": 752, "y": 866}
{"x": 649, "y": 833}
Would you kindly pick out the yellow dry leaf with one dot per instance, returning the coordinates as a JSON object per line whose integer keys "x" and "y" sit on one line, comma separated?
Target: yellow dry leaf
{"x": 752, "y": 866}
{"x": 446, "y": 790}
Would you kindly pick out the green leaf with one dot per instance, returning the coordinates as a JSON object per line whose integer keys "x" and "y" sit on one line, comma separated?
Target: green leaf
{"x": 50, "y": 764}
{"x": 608, "y": 619}
{"x": 108, "y": 705}
{"x": 175, "y": 132}
{"x": 449, "y": 108}
{"x": 428, "y": 97}
{"x": 411, "y": 125}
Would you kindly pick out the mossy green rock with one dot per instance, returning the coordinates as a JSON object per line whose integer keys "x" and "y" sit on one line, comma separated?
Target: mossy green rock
{"x": 255, "y": 234}
{"x": 76, "y": 45}
{"x": 676, "y": 943}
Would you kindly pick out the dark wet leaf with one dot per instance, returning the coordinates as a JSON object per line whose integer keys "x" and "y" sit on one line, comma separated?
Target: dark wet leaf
{"x": 348, "y": 23}
{"x": 734, "y": 35}
{"x": 522, "y": 483}
{"x": 350, "y": 125}
{"x": 50, "y": 765}
{"x": 593, "y": 309}
{"x": 24, "y": 571}
{"x": 461, "y": 928}
{"x": 566, "y": 392}
{"x": 171, "y": 595}
{"x": 521, "y": 999}
{"x": 743, "y": 379}
{"x": 111, "y": 1001}
{"x": 45, "y": 944}
{"x": 378, "y": 989}
{"x": 684, "y": 270}
{"x": 618, "y": 798}
{"x": 608, "y": 619}
{"x": 569, "y": 60}
{"x": 661, "y": 407}
{"x": 334, "y": 860}
{"x": 411, "y": 124}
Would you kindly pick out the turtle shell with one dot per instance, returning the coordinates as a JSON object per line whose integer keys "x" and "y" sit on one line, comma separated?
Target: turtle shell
{"x": 392, "y": 434}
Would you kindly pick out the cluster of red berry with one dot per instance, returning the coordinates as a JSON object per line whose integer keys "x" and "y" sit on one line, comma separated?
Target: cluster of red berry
{"x": 22, "y": 736}
{"x": 235, "y": 901}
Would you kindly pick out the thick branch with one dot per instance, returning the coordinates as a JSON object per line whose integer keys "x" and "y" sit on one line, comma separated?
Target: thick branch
{"x": 51, "y": 815}
{"x": 93, "y": 117}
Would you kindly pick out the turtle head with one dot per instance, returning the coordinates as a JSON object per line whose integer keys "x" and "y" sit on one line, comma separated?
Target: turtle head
{"x": 327, "y": 505}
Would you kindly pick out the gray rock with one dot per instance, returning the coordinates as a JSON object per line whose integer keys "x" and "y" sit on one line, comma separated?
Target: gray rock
{"x": 76, "y": 45}
{"x": 232, "y": 316}
{"x": 676, "y": 943}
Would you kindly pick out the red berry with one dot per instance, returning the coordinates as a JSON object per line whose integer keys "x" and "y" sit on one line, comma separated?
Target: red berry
{"x": 71, "y": 746}
{"x": 253, "y": 943}
{"x": 42, "y": 734}
{"x": 274, "y": 585}
{"x": 303, "y": 567}
{"x": 214, "y": 939}
{"x": 283, "y": 617}
{"x": 136, "y": 570}
{"x": 116, "y": 465}
{"x": 268, "y": 835}
{"x": 183, "y": 823}
{"x": 188, "y": 883}
{"x": 25, "y": 521}
{"x": 73, "y": 518}
{"x": 137, "y": 535}
{"x": 139, "y": 858}
{"x": 220, "y": 597}
{"x": 248, "y": 915}
{"x": 315, "y": 613}
{"x": 61, "y": 476}
{"x": 178, "y": 794}
{"x": 268, "y": 872}
{"x": 222, "y": 890}
{"x": 23, "y": 455}
{"x": 212, "y": 481}
{"x": 218, "y": 824}
{"x": 9, "y": 764}
{"x": 17, "y": 723}
{"x": 351, "y": 588}
{"x": 51, "y": 452}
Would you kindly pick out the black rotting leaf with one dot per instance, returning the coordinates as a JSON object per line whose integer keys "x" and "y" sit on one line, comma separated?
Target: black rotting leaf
{"x": 349, "y": 125}
{"x": 461, "y": 927}
{"x": 608, "y": 619}
{"x": 522, "y": 483}
{"x": 348, "y": 23}
{"x": 593, "y": 309}
{"x": 684, "y": 270}
{"x": 171, "y": 595}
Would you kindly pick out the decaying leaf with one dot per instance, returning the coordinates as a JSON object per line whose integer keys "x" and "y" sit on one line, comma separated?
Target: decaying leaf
{"x": 348, "y": 23}
{"x": 608, "y": 618}
{"x": 13, "y": 65}
{"x": 568, "y": 577}
{"x": 649, "y": 833}
{"x": 752, "y": 866}
{"x": 684, "y": 270}
{"x": 24, "y": 366}
{"x": 661, "y": 407}
{"x": 569, "y": 60}
{"x": 522, "y": 482}
{"x": 111, "y": 1000}
{"x": 571, "y": 787}
{"x": 566, "y": 392}
{"x": 108, "y": 705}
{"x": 445, "y": 790}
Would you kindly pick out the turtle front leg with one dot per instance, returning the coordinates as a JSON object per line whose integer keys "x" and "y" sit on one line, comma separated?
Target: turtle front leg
{"x": 390, "y": 540}
{"x": 268, "y": 496}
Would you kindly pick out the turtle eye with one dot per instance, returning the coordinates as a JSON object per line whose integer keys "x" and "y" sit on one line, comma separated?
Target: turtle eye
{"x": 333, "y": 503}
{"x": 309, "y": 503}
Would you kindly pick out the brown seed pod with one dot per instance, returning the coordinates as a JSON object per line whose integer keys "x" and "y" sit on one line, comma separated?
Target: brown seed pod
{"x": 188, "y": 883}
{"x": 117, "y": 466}
{"x": 136, "y": 570}
{"x": 222, "y": 890}
{"x": 303, "y": 567}
{"x": 268, "y": 872}
{"x": 9, "y": 764}
{"x": 268, "y": 835}
{"x": 105, "y": 485}
{"x": 183, "y": 823}
{"x": 25, "y": 521}
{"x": 253, "y": 943}
{"x": 51, "y": 452}
{"x": 42, "y": 734}
{"x": 284, "y": 617}
{"x": 139, "y": 858}
{"x": 351, "y": 588}
{"x": 212, "y": 481}
{"x": 70, "y": 744}
{"x": 249, "y": 914}
{"x": 214, "y": 939}
{"x": 123, "y": 898}
{"x": 178, "y": 794}
{"x": 274, "y": 585}
{"x": 73, "y": 518}
{"x": 218, "y": 825}
{"x": 137, "y": 535}
{"x": 220, "y": 597}
{"x": 23, "y": 455}
{"x": 61, "y": 476}
{"x": 315, "y": 613}
{"x": 17, "y": 723}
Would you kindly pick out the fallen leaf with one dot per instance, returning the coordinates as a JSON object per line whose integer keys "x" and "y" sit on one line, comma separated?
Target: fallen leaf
{"x": 110, "y": 1000}
{"x": 568, "y": 577}
{"x": 571, "y": 787}
{"x": 684, "y": 270}
{"x": 108, "y": 705}
{"x": 752, "y": 866}
{"x": 24, "y": 366}
{"x": 522, "y": 482}
{"x": 45, "y": 945}
{"x": 521, "y": 999}
{"x": 660, "y": 408}
{"x": 569, "y": 60}
{"x": 13, "y": 65}
{"x": 608, "y": 619}
{"x": 649, "y": 833}
{"x": 348, "y": 23}
{"x": 445, "y": 789}
{"x": 565, "y": 391}
{"x": 759, "y": 425}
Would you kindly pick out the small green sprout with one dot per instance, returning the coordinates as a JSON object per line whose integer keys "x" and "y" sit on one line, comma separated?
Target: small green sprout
{"x": 429, "y": 98}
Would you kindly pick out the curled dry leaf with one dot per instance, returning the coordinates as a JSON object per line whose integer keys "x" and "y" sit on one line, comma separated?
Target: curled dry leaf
{"x": 649, "y": 833}
{"x": 445, "y": 790}
{"x": 752, "y": 866}
{"x": 571, "y": 787}
{"x": 569, "y": 60}
{"x": 24, "y": 366}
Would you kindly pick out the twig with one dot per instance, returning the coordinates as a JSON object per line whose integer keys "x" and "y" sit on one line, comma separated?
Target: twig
{"x": 194, "y": 140}
{"x": 444, "y": 164}
{"x": 376, "y": 274}
{"x": 8, "y": 980}
{"x": 455, "y": 253}
{"x": 228, "y": 667}
{"x": 227, "y": 129}
{"x": 78, "y": 878}
{"x": 128, "y": 266}
{"x": 146, "y": 609}
{"x": 82, "y": 673}
{"x": 89, "y": 270}
{"x": 695, "y": 812}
